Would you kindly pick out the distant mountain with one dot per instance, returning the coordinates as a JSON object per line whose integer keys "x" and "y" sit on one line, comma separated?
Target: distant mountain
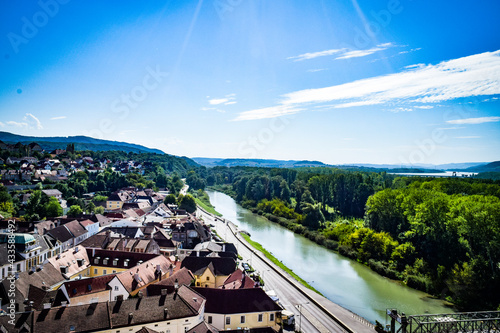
{"x": 395, "y": 168}
{"x": 81, "y": 143}
{"x": 489, "y": 167}
{"x": 229, "y": 162}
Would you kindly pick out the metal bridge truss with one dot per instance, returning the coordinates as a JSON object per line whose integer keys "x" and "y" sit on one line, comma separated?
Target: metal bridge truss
{"x": 465, "y": 322}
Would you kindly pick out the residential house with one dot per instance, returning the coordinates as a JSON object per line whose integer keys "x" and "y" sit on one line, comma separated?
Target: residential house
{"x": 170, "y": 284}
{"x": 233, "y": 309}
{"x": 210, "y": 272}
{"x": 91, "y": 227}
{"x": 86, "y": 291}
{"x": 53, "y": 193}
{"x": 131, "y": 281}
{"x": 239, "y": 280}
{"x": 111, "y": 262}
{"x": 116, "y": 200}
{"x": 176, "y": 313}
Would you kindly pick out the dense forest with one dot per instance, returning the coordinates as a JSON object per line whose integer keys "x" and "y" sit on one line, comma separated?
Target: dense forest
{"x": 440, "y": 235}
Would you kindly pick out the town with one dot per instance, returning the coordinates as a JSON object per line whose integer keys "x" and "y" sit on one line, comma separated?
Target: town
{"x": 132, "y": 261}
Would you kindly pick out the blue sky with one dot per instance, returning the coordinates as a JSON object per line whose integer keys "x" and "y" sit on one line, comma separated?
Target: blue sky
{"x": 336, "y": 81}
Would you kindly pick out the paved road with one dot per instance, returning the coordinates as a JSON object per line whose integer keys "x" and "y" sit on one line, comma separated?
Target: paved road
{"x": 314, "y": 319}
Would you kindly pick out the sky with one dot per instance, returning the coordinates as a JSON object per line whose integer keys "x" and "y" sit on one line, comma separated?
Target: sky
{"x": 352, "y": 81}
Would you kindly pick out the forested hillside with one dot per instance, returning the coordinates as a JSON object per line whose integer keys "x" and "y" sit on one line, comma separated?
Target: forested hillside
{"x": 440, "y": 235}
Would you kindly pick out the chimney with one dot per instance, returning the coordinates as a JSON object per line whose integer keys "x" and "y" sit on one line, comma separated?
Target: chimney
{"x": 164, "y": 292}
{"x": 197, "y": 253}
{"x": 165, "y": 313}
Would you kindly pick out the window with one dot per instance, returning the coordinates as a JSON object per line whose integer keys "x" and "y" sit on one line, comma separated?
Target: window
{"x": 209, "y": 319}
{"x": 208, "y": 278}
{"x": 260, "y": 318}
{"x": 104, "y": 272}
{"x": 228, "y": 320}
{"x": 114, "y": 271}
{"x": 95, "y": 271}
{"x": 96, "y": 260}
{"x": 116, "y": 287}
{"x": 242, "y": 319}
{"x": 271, "y": 317}
{"x": 197, "y": 284}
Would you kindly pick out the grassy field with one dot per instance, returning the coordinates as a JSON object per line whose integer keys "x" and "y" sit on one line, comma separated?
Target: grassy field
{"x": 269, "y": 256}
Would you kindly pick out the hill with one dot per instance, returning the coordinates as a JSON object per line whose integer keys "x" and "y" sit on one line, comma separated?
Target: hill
{"x": 81, "y": 143}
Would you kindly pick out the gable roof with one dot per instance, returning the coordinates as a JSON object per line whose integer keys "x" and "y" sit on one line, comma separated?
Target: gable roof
{"x": 145, "y": 273}
{"x": 203, "y": 327}
{"x": 75, "y": 259}
{"x": 238, "y": 280}
{"x": 217, "y": 265}
{"x": 183, "y": 277}
{"x": 231, "y": 301}
{"x": 82, "y": 287}
{"x": 75, "y": 228}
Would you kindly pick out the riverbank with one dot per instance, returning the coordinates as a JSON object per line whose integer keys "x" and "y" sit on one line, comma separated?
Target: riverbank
{"x": 341, "y": 279}
{"x": 202, "y": 200}
{"x": 277, "y": 262}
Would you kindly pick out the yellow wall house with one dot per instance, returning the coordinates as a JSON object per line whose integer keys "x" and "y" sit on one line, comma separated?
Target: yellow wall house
{"x": 209, "y": 272}
{"x": 232, "y": 309}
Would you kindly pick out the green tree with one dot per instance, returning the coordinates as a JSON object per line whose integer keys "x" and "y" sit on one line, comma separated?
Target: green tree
{"x": 75, "y": 210}
{"x": 53, "y": 208}
{"x": 188, "y": 203}
{"x": 170, "y": 199}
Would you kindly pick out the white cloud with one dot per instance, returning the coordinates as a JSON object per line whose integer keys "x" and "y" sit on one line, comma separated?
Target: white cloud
{"x": 364, "y": 53}
{"x": 226, "y": 100}
{"x": 57, "y": 118}
{"x": 16, "y": 124}
{"x": 470, "y": 76}
{"x": 307, "y": 56}
{"x": 316, "y": 70}
{"x": 32, "y": 121}
{"x": 344, "y": 53}
{"x": 2, "y": 124}
{"x": 450, "y": 128}
{"x": 468, "y": 137}
{"x": 425, "y": 107}
{"x": 474, "y": 121}
{"x": 271, "y": 112}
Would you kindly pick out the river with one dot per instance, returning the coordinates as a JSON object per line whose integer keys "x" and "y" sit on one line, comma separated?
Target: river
{"x": 341, "y": 280}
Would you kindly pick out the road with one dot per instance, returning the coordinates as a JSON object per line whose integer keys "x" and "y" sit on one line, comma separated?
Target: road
{"x": 309, "y": 317}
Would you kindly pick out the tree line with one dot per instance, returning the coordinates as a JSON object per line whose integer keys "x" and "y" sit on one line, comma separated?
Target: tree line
{"x": 440, "y": 235}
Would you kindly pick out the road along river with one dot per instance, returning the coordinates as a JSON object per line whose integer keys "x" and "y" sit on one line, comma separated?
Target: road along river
{"x": 343, "y": 281}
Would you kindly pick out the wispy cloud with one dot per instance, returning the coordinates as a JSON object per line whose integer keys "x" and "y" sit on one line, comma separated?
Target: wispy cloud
{"x": 343, "y": 53}
{"x": 226, "y": 100}
{"x": 32, "y": 121}
{"x": 312, "y": 55}
{"x": 57, "y": 118}
{"x": 468, "y": 137}
{"x": 450, "y": 128}
{"x": 271, "y": 112}
{"x": 2, "y": 124}
{"x": 474, "y": 121}
{"x": 364, "y": 53}
{"x": 475, "y": 75}
{"x": 316, "y": 70}
{"x": 16, "y": 123}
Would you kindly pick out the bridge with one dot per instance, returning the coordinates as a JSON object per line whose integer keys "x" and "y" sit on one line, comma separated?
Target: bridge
{"x": 464, "y": 322}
